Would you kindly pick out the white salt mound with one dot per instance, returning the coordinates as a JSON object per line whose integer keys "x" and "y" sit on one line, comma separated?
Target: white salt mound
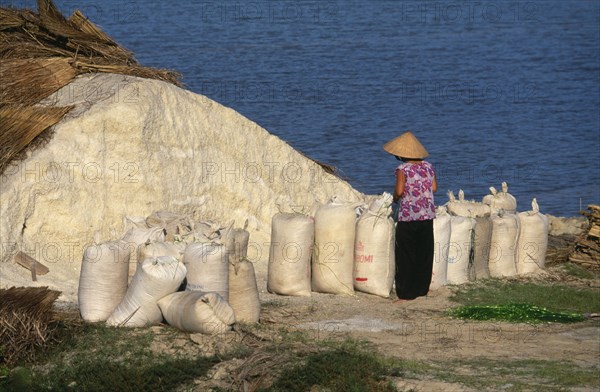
{"x": 132, "y": 146}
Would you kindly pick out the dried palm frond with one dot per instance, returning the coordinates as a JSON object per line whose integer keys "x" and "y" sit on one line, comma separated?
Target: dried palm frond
{"x": 28, "y": 81}
{"x": 20, "y": 126}
{"x": 26, "y": 316}
{"x": 42, "y": 52}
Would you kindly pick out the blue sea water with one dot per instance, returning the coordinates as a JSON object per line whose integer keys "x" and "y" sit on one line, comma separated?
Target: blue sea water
{"x": 495, "y": 90}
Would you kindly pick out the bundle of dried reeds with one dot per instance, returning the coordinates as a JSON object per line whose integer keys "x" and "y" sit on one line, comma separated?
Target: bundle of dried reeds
{"x": 28, "y": 81}
{"x": 39, "y": 54}
{"x": 23, "y": 126}
{"x": 25, "y": 34}
{"x": 26, "y": 315}
{"x": 587, "y": 248}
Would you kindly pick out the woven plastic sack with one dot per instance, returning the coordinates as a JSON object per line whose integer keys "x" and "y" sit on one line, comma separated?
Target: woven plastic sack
{"x": 103, "y": 279}
{"x": 374, "y": 263}
{"x": 459, "y": 252}
{"x": 243, "y": 291}
{"x": 160, "y": 248}
{"x": 441, "y": 238}
{"x": 207, "y": 268}
{"x": 290, "y": 251}
{"x": 174, "y": 226}
{"x": 237, "y": 244}
{"x": 501, "y": 201}
{"x": 481, "y": 248}
{"x": 503, "y": 245}
{"x": 156, "y": 278}
{"x": 333, "y": 260}
{"x": 533, "y": 240}
{"x": 137, "y": 233}
{"x": 468, "y": 208}
{"x": 197, "y": 312}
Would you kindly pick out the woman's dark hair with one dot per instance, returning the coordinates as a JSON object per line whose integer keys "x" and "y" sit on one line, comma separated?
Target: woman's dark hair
{"x": 407, "y": 159}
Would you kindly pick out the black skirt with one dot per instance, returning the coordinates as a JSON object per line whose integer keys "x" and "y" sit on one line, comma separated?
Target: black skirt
{"x": 414, "y": 258}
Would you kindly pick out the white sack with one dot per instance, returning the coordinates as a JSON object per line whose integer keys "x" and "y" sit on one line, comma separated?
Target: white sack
{"x": 243, "y": 291}
{"x": 290, "y": 251}
{"x": 333, "y": 260}
{"x": 533, "y": 240}
{"x": 237, "y": 245}
{"x": 468, "y": 208}
{"x": 481, "y": 248}
{"x": 374, "y": 263}
{"x": 197, "y": 312}
{"x": 103, "y": 279}
{"x": 156, "y": 278}
{"x": 503, "y": 245}
{"x": 159, "y": 248}
{"x": 136, "y": 236}
{"x": 441, "y": 240}
{"x": 207, "y": 268}
{"x": 501, "y": 200}
{"x": 459, "y": 252}
{"x": 175, "y": 226}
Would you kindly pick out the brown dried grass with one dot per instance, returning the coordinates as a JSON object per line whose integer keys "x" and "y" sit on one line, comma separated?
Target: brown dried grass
{"x": 28, "y": 81}
{"x": 26, "y": 315}
{"x": 22, "y": 128}
{"x": 41, "y": 53}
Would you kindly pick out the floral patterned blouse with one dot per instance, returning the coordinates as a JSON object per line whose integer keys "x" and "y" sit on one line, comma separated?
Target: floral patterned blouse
{"x": 417, "y": 201}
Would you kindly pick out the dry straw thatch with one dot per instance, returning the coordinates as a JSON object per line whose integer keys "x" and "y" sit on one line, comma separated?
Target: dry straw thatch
{"x": 42, "y": 52}
{"x": 26, "y": 316}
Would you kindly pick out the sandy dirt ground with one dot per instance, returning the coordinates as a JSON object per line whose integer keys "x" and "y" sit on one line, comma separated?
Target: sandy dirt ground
{"x": 417, "y": 330}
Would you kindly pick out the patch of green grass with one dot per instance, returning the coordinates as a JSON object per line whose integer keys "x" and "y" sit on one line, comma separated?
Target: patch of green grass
{"x": 578, "y": 271}
{"x": 518, "y": 375}
{"x": 94, "y": 357}
{"x": 516, "y": 313}
{"x": 555, "y": 297}
{"x": 340, "y": 366}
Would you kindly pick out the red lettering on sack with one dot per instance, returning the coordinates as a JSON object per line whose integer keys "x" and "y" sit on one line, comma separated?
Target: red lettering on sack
{"x": 361, "y": 279}
{"x": 364, "y": 258}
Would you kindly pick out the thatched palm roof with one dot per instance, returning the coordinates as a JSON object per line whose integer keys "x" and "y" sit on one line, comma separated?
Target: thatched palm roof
{"x": 42, "y": 52}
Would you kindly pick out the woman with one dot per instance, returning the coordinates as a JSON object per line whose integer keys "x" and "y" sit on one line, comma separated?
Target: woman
{"x": 415, "y": 184}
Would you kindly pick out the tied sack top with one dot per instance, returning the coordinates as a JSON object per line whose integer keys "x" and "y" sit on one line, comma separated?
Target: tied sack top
{"x": 416, "y": 203}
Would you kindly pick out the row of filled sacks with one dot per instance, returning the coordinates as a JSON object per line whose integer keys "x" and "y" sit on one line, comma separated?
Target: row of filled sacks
{"x": 214, "y": 272}
{"x": 345, "y": 247}
{"x": 481, "y": 244}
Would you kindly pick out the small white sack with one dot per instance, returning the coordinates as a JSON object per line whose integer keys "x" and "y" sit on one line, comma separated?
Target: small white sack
{"x": 207, "y": 268}
{"x": 374, "y": 262}
{"x": 159, "y": 248}
{"x": 533, "y": 240}
{"x": 103, "y": 279}
{"x": 290, "y": 251}
{"x": 136, "y": 234}
{"x": 462, "y": 207}
{"x": 459, "y": 252}
{"x": 197, "y": 312}
{"x": 237, "y": 244}
{"x": 333, "y": 260}
{"x": 441, "y": 238}
{"x": 243, "y": 289}
{"x": 503, "y": 245}
{"x": 501, "y": 200}
{"x": 243, "y": 292}
{"x": 481, "y": 248}
{"x": 175, "y": 226}
{"x": 156, "y": 278}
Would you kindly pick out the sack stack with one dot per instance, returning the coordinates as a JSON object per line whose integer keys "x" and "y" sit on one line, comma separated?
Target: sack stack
{"x": 173, "y": 253}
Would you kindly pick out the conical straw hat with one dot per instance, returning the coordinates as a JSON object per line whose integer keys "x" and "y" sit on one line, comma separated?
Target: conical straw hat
{"x": 406, "y": 146}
